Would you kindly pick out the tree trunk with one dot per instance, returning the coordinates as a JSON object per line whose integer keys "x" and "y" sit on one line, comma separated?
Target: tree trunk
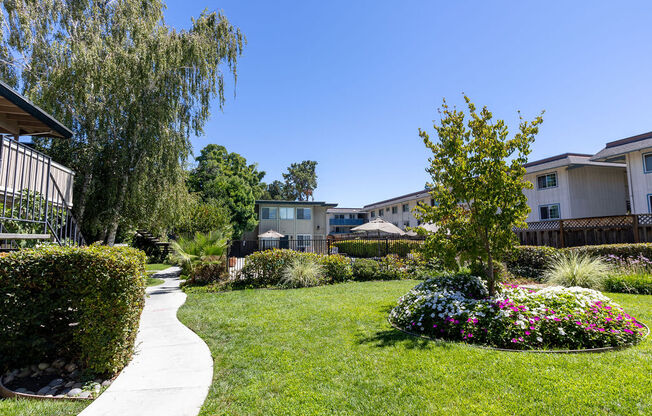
{"x": 490, "y": 273}
{"x": 115, "y": 221}
{"x": 81, "y": 203}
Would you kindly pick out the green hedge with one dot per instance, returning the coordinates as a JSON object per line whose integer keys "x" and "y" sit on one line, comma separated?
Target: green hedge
{"x": 634, "y": 283}
{"x": 532, "y": 261}
{"x": 80, "y": 304}
{"x": 376, "y": 248}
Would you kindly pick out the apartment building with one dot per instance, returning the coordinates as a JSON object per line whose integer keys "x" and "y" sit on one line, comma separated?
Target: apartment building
{"x": 341, "y": 220}
{"x": 399, "y": 210}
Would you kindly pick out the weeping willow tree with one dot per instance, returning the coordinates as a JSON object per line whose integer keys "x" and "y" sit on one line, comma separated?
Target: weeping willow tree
{"x": 133, "y": 90}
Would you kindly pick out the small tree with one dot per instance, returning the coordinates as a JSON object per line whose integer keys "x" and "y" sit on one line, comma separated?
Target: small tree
{"x": 477, "y": 186}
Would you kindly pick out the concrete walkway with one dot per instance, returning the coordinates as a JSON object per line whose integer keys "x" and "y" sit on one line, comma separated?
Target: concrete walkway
{"x": 172, "y": 368}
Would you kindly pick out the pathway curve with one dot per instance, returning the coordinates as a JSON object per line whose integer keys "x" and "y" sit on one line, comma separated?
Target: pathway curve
{"x": 172, "y": 368}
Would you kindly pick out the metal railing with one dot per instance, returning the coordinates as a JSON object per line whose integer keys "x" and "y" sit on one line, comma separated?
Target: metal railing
{"x": 34, "y": 205}
{"x": 346, "y": 221}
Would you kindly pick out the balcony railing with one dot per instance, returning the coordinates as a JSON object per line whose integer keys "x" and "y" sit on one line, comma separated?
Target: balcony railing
{"x": 35, "y": 197}
{"x": 346, "y": 221}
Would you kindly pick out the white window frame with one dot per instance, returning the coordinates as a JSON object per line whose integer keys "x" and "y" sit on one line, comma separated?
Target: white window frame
{"x": 548, "y": 206}
{"x": 395, "y": 209}
{"x": 645, "y": 168}
{"x": 545, "y": 175}
{"x": 303, "y": 242}
{"x": 302, "y": 210}
{"x": 281, "y": 210}
{"x": 269, "y": 211}
{"x": 406, "y": 208}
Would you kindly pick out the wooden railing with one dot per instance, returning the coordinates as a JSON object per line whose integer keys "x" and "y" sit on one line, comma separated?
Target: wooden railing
{"x": 615, "y": 229}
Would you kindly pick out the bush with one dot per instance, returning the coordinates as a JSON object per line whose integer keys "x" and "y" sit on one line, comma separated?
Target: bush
{"x": 618, "y": 250}
{"x": 265, "y": 268}
{"x": 530, "y": 261}
{"x": 303, "y": 271}
{"x": 202, "y": 258}
{"x": 635, "y": 283}
{"x": 376, "y": 248}
{"x": 575, "y": 269}
{"x": 455, "y": 307}
{"x": 337, "y": 268}
{"x": 80, "y": 304}
{"x": 365, "y": 269}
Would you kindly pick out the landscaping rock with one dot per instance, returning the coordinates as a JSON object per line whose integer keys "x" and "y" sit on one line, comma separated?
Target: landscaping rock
{"x": 69, "y": 384}
{"x": 21, "y": 390}
{"x": 71, "y": 367}
{"x": 51, "y": 370}
{"x": 52, "y": 392}
{"x": 43, "y": 391}
{"x": 106, "y": 383}
{"x": 43, "y": 366}
{"x": 59, "y": 396}
{"x": 58, "y": 363}
{"x": 85, "y": 394}
{"x": 56, "y": 382}
{"x": 74, "y": 374}
{"x": 97, "y": 388}
{"x": 24, "y": 372}
{"x": 34, "y": 368}
{"x": 77, "y": 385}
{"x": 8, "y": 379}
{"x": 30, "y": 392}
{"x": 74, "y": 392}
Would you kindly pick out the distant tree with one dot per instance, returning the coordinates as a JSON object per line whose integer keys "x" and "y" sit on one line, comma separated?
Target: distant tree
{"x": 204, "y": 217}
{"x": 227, "y": 179}
{"x": 131, "y": 87}
{"x": 277, "y": 190}
{"x": 300, "y": 180}
{"x": 477, "y": 184}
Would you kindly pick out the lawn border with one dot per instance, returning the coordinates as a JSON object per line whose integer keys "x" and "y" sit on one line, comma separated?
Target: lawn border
{"x": 583, "y": 351}
{"x": 10, "y": 394}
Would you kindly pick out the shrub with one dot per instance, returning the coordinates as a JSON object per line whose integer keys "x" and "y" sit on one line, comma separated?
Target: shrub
{"x": 265, "y": 268}
{"x": 337, "y": 268}
{"x": 629, "y": 282}
{"x": 365, "y": 269}
{"x": 303, "y": 271}
{"x": 617, "y": 250}
{"x": 530, "y": 261}
{"x": 377, "y": 248}
{"x": 79, "y": 304}
{"x": 392, "y": 267}
{"x": 205, "y": 250}
{"x": 455, "y": 307}
{"x": 575, "y": 269}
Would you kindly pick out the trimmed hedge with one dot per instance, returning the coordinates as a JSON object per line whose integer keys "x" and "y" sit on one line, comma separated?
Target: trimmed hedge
{"x": 80, "y": 304}
{"x": 376, "y": 248}
{"x": 635, "y": 283}
{"x": 532, "y": 261}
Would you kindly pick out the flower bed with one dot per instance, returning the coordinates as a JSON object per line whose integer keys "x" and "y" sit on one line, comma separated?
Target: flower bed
{"x": 458, "y": 308}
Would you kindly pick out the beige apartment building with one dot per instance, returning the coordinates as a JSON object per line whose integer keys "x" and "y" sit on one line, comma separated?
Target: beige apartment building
{"x": 399, "y": 210}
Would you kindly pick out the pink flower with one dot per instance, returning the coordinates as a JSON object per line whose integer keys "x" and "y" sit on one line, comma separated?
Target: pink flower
{"x": 527, "y": 332}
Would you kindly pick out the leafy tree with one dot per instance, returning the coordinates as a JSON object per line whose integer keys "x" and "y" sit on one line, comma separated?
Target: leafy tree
{"x": 300, "y": 180}
{"x": 204, "y": 217}
{"x": 227, "y": 179}
{"x": 131, "y": 87}
{"x": 477, "y": 185}
{"x": 278, "y": 190}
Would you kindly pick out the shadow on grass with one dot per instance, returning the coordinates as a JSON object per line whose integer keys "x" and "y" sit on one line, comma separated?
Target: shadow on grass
{"x": 393, "y": 337}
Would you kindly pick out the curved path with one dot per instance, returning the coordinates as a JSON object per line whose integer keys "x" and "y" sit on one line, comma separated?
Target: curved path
{"x": 172, "y": 368}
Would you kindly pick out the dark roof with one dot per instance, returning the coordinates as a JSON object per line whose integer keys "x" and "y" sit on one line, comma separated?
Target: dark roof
{"x": 631, "y": 139}
{"x": 398, "y": 197}
{"x": 26, "y": 118}
{"x": 281, "y": 202}
{"x": 553, "y": 158}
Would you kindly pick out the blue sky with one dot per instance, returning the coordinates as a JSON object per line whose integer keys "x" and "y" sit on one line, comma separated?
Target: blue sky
{"x": 348, "y": 83}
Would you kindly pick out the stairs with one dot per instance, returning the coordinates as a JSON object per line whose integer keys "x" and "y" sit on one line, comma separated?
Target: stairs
{"x": 152, "y": 246}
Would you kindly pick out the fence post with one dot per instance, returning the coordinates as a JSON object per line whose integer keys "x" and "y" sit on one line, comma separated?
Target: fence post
{"x": 561, "y": 233}
{"x": 635, "y": 227}
{"x": 386, "y": 246}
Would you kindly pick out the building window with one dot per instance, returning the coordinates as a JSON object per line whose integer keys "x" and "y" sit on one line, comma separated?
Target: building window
{"x": 373, "y": 214}
{"x": 303, "y": 213}
{"x": 286, "y": 213}
{"x": 269, "y": 213}
{"x": 647, "y": 163}
{"x": 394, "y": 210}
{"x": 649, "y": 203}
{"x": 432, "y": 202}
{"x": 406, "y": 223}
{"x": 406, "y": 208}
{"x": 628, "y": 207}
{"x": 549, "y": 212}
{"x": 547, "y": 181}
{"x": 381, "y": 212}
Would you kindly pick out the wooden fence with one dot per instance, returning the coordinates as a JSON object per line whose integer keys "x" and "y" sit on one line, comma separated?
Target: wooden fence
{"x": 588, "y": 231}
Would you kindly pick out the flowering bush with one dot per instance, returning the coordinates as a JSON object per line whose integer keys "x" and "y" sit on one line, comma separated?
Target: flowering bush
{"x": 457, "y": 307}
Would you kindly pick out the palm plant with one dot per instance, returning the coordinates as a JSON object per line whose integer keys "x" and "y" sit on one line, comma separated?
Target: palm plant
{"x": 574, "y": 269}
{"x": 202, "y": 248}
{"x": 303, "y": 271}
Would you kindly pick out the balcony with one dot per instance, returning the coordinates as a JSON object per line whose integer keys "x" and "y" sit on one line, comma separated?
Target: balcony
{"x": 346, "y": 221}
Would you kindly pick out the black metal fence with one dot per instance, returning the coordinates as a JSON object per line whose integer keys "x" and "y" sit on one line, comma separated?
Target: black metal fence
{"x": 366, "y": 247}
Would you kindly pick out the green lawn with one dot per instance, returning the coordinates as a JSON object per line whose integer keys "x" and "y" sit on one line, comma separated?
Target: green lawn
{"x": 12, "y": 407}
{"x": 154, "y": 281}
{"x": 156, "y": 267}
{"x": 330, "y": 351}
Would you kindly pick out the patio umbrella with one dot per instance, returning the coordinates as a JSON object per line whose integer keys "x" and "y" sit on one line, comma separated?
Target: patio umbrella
{"x": 271, "y": 234}
{"x": 380, "y": 226}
